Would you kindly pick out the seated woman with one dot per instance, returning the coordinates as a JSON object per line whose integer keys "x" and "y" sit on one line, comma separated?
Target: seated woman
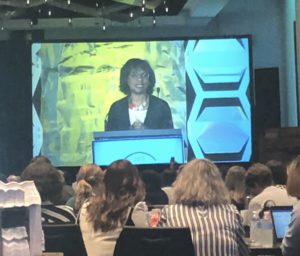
{"x": 88, "y": 182}
{"x": 48, "y": 182}
{"x": 103, "y": 216}
{"x": 290, "y": 243}
{"x": 154, "y": 194}
{"x": 235, "y": 183}
{"x": 203, "y": 205}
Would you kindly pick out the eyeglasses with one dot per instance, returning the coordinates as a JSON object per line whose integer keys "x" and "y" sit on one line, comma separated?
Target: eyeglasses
{"x": 136, "y": 75}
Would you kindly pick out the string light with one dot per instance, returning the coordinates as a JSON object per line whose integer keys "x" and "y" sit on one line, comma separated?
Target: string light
{"x": 70, "y": 21}
{"x": 27, "y": 2}
{"x": 69, "y": 2}
{"x": 49, "y": 13}
{"x": 131, "y": 15}
{"x": 154, "y": 21}
{"x": 166, "y": 6}
{"x": 103, "y": 27}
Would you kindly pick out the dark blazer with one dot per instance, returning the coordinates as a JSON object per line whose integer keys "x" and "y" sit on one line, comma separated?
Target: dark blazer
{"x": 158, "y": 115}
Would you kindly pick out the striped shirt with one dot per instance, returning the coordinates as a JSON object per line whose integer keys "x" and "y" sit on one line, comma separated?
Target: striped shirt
{"x": 216, "y": 230}
{"x": 57, "y": 214}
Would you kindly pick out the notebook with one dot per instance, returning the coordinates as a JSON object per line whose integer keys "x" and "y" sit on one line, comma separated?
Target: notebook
{"x": 281, "y": 217}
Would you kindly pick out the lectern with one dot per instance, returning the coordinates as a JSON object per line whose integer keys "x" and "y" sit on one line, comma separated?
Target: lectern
{"x": 139, "y": 146}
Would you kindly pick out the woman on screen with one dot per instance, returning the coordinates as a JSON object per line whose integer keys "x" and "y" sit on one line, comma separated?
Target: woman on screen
{"x": 139, "y": 109}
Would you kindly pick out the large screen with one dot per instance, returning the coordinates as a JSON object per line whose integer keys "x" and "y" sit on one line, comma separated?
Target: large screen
{"x": 205, "y": 82}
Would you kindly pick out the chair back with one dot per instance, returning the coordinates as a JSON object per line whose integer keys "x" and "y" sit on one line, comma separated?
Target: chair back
{"x": 134, "y": 241}
{"x": 64, "y": 238}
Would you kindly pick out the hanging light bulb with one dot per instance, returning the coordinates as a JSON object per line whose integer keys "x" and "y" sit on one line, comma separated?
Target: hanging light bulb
{"x": 70, "y": 21}
{"x": 131, "y": 15}
{"x": 27, "y": 2}
{"x": 103, "y": 27}
{"x": 167, "y": 9}
{"x": 143, "y": 8}
{"x": 154, "y": 21}
{"x": 153, "y": 11}
{"x": 49, "y": 13}
{"x": 69, "y": 2}
{"x": 45, "y": 1}
{"x": 2, "y": 28}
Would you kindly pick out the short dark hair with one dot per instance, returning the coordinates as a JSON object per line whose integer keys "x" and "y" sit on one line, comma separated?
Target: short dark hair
{"x": 133, "y": 64}
{"x": 260, "y": 175}
{"x": 278, "y": 171}
{"x": 46, "y": 179}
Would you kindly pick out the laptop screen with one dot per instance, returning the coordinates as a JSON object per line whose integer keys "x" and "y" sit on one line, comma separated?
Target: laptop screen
{"x": 281, "y": 216}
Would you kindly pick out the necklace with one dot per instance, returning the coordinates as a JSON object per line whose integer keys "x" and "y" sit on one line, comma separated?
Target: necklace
{"x": 141, "y": 107}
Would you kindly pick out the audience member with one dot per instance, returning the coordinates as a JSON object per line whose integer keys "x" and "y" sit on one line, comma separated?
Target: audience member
{"x": 259, "y": 183}
{"x": 67, "y": 190}
{"x": 235, "y": 182}
{"x": 168, "y": 177}
{"x": 203, "y": 204}
{"x": 290, "y": 243}
{"x": 13, "y": 178}
{"x": 40, "y": 158}
{"x": 88, "y": 182}
{"x": 278, "y": 170}
{"x": 48, "y": 182}
{"x": 103, "y": 216}
{"x": 154, "y": 194}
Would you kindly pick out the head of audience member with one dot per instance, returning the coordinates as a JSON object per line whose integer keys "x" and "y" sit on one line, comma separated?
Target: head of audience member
{"x": 89, "y": 181}
{"x": 235, "y": 182}
{"x": 137, "y": 71}
{"x": 123, "y": 188}
{"x": 13, "y": 178}
{"x": 258, "y": 177}
{"x": 154, "y": 193}
{"x": 278, "y": 170}
{"x": 40, "y": 158}
{"x": 293, "y": 178}
{"x": 200, "y": 183}
{"x": 46, "y": 179}
{"x": 168, "y": 176}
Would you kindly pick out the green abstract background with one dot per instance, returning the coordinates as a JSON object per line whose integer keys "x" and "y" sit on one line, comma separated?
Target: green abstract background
{"x": 79, "y": 82}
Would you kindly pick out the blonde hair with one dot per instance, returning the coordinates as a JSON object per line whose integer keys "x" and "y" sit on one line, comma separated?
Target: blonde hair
{"x": 89, "y": 181}
{"x": 293, "y": 179}
{"x": 200, "y": 182}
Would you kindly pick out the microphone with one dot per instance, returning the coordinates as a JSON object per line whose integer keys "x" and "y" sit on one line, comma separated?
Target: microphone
{"x": 158, "y": 91}
{"x": 105, "y": 122}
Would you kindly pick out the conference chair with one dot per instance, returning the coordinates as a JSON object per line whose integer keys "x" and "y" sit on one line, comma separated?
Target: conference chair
{"x": 135, "y": 241}
{"x": 64, "y": 238}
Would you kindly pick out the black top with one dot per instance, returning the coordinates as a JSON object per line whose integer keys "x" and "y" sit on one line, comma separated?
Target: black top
{"x": 158, "y": 115}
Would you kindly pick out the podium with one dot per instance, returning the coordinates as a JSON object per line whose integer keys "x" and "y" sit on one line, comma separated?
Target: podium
{"x": 139, "y": 146}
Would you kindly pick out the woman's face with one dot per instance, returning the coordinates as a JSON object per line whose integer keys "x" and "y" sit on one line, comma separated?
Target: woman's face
{"x": 138, "y": 81}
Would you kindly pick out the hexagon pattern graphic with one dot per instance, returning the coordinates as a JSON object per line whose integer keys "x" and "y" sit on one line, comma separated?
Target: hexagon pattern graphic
{"x": 219, "y": 124}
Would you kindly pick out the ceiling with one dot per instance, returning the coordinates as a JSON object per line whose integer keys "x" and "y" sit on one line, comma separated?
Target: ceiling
{"x": 43, "y": 14}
